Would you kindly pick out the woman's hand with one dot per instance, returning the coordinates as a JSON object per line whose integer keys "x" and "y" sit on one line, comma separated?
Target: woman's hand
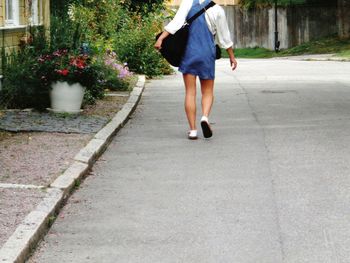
{"x": 233, "y": 63}
{"x": 159, "y": 42}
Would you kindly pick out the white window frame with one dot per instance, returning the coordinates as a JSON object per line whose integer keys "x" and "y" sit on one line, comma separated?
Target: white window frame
{"x": 15, "y": 13}
{"x": 41, "y": 11}
{"x": 36, "y": 12}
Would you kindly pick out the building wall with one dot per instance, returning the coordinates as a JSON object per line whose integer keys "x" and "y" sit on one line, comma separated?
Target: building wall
{"x": 11, "y": 36}
{"x": 2, "y": 13}
{"x": 46, "y": 14}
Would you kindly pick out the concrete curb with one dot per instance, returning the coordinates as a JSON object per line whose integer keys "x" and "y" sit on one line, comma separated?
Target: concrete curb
{"x": 336, "y": 59}
{"x": 315, "y": 57}
{"x": 34, "y": 226}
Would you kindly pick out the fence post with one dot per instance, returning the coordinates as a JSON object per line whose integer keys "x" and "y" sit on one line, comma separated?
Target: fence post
{"x": 343, "y": 19}
{"x": 277, "y": 42}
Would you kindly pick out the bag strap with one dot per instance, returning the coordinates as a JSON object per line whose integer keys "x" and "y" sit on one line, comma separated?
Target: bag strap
{"x": 189, "y": 21}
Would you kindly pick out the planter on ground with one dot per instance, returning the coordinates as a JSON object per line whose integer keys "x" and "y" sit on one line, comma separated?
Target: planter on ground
{"x": 66, "y": 98}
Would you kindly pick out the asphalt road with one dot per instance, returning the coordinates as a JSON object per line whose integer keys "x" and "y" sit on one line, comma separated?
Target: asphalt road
{"x": 271, "y": 186}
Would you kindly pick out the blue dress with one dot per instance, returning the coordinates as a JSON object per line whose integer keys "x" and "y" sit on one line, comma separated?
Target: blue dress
{"x": 199, "y": 57}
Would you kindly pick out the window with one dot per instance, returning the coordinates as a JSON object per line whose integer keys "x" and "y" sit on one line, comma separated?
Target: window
{"x": 12, "y": 12}
{"x": 9, "y": 11}
{"x": 36, "y": 12}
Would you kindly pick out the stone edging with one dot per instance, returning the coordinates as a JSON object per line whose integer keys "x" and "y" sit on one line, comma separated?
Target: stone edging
{"x": 35, "y": 225}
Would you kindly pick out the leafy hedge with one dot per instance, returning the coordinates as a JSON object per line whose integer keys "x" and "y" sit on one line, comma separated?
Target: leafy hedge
{"x": 144, "y": 6}
{"x": 21, "y": 88}
{"x": 134, "y": 44}
{"x": 126, "y": 28}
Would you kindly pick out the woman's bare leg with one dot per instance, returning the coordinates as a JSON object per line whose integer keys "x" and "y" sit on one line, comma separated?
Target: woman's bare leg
{"x": 207, "y": 87}
{"x": 190, "y": 99}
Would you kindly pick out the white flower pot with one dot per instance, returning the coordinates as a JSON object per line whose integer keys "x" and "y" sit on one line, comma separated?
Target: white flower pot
{"x": 66, "y": 98}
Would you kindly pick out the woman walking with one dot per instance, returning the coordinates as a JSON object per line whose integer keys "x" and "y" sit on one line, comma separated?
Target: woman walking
{"x": 199, "y": 57}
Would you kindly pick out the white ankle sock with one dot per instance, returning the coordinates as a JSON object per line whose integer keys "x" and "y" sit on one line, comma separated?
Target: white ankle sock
{"x": 192, "y": 133}
{"x": 205, "y": 118}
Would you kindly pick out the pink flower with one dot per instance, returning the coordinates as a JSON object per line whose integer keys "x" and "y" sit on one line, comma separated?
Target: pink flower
{"x": 108, "y": 62}
{"x": 44, "y": 58}
{"x": 59, "y": 53}
{"x": 63, "y": 72}
{"x": 78, "y": 62}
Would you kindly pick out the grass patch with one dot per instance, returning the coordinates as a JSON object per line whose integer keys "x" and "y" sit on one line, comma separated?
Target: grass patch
{"x": 256, "y": 52}
{"x": 322, "y": 46}
{"x": 132, "y": 82}
{"x": 51, "y": 220}
{"x": 344, "y": 54}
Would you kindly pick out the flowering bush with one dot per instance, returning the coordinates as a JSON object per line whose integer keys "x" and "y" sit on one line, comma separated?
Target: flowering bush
{"x": 111, "y": 61}
{"x": 62, "y": 65}
{"x": 114, "y": 75}
{"x": 134, "y": 44}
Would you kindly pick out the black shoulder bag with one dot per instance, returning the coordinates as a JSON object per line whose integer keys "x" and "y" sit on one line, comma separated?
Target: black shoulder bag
{"x": 174, "y": 46}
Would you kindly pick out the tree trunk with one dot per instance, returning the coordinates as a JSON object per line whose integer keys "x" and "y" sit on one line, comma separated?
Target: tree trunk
{"x": 344, "y": 18}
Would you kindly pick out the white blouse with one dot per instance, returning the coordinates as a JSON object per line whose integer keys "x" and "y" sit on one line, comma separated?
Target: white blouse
{"x": 214, "y": 16}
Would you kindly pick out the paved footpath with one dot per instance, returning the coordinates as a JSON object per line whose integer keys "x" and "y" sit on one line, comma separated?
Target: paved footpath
{"x": 272, "y": 186}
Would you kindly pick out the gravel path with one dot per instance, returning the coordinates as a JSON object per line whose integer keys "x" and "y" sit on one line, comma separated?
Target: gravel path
{"x": 38, "y": 158}
{"x": 17, "y": 121}
{"x": 15, "y": 204}
{"x": 36, "y": 147}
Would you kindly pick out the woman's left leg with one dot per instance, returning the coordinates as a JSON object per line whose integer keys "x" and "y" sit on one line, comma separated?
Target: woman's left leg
{"x": 207, "y": 88}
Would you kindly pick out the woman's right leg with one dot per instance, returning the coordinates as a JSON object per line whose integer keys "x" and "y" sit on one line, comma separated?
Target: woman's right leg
{"x": 190, "y": 99}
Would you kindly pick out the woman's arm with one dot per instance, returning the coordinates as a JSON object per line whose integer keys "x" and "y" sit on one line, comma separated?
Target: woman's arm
{"x": 233, "y": 61}
{"x": 223, "y": 35}
{"x": 177, "y": 22}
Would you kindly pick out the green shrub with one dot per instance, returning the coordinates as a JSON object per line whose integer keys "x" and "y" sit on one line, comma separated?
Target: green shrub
{"x": 114, "y": 75}
{"x": 96, "y": 23}
{"x": 63, "y": 34}
{"x": 39, "y": 41}
{"x": 144, "y": 6}
{"x": 128, "y": 27}
{"x": 134, "y": 44}
{"x": 21, "y": 87}
{"x": 59, "y": 8}
{"x": 28, "y": 77}
{"x": 92, "y": 27}
{"x": 94, "y": 91}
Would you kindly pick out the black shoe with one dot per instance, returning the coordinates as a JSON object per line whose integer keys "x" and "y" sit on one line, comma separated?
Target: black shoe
{"x": 207, "y": 132}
